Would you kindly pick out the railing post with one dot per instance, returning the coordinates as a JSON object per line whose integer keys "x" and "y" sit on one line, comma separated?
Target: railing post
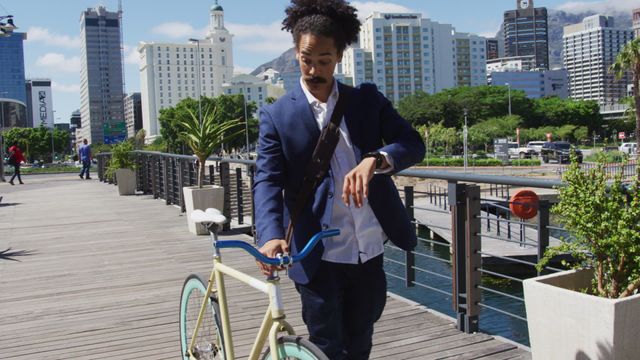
{"x": 239, "y": 196}
{"x": 410, "y": 257}
{"x": 165, "y": 177}
{"x": 212, "y": 174}
{"x": 154, "y": 181}
{"x": 457, "y": 203}
{"x": 183, "y": 208}
{"x": 543, "y": 228}
{"x": 225, "y": 182}
{"x": 251, "y": 170}
{"x": 473, "y": 258}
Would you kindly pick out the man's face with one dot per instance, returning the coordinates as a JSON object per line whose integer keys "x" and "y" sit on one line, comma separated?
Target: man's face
{"x": 85, "y": 141}
{"x": 317, "y": 56}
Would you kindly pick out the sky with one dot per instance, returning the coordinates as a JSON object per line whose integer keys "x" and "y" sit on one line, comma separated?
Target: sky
{"x": 52, "y": 49}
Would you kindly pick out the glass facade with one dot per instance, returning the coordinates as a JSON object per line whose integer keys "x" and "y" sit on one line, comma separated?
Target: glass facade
{"x": 12, "y": 84}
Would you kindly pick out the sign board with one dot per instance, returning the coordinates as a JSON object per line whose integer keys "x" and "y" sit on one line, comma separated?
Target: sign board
{"x": 115, "y": 132}
{"x": 501, "y": 149}
{"x": 42, "y": 105}
{"x": 621, "y": 135}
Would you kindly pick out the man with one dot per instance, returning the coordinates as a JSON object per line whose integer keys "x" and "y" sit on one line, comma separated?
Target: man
{"x": 84, "y": 154}
{"x": 342, "y": 283}
{"x": 16, "y": 158}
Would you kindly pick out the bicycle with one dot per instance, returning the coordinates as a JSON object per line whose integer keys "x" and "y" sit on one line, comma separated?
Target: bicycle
{"x": 205, "y": 331}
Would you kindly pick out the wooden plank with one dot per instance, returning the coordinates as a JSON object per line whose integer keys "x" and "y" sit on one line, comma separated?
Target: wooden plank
{"x": 104, "y": 274}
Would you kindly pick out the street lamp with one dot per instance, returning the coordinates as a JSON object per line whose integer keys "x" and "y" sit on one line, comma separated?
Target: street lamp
{"x": 199, "y": 81}
{"x": 246, "y": 124}
{"x": 465, "y": 134}
{"x": 509, "y": 88}
{"x": 53, "y": 126}
{"x": 3, "y": 93}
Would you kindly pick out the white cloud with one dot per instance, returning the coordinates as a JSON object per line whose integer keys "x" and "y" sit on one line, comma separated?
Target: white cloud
{"x": 38, "y": 34}
{"x": 258, "y": 38}
{"x": 178, "y": 30}
{"x": 131, "y": 55}
{"x": 603, "y": 7}
{"x": 71, "y": 88}
{"x": 241, "y": 70}
{"x": 59, "y": 63}
{"x": 365, "y": 8}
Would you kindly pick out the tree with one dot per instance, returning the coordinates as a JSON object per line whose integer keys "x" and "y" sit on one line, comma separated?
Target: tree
{"x": 628, "y": 59}
{"x": 484, "y": 132}
{"x": 36, "y": 142}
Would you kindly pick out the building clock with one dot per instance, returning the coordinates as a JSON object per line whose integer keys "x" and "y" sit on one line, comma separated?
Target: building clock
{"x": 524, "y": 4}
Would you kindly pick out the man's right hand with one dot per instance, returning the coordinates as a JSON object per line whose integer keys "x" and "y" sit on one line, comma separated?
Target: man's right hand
{"x": 271, "y": 249}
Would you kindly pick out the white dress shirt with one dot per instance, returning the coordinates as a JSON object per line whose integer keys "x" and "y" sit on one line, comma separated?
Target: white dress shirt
{"x": 361, "y": 236}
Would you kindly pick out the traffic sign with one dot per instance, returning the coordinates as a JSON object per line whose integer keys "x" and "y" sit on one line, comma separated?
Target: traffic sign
{"x": 621, "y": 135}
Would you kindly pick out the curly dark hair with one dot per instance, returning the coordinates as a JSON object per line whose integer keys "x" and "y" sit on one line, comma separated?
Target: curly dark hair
{"x": 334, "y": 19}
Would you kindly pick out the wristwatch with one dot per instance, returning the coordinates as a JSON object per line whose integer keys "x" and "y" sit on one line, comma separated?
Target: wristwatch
{"x": 379, "y": 158}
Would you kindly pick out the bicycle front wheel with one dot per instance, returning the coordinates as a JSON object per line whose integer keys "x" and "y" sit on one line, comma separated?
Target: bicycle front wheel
{"x": 209, "y": 342}
{"x": 295, "y": 347}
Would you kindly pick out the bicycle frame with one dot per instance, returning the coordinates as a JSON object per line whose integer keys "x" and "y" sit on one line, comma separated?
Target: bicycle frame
{"x": 274, "y": 320}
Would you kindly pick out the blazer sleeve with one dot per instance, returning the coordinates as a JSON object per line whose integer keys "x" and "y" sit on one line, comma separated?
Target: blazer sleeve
{"x": 269, "y": 182}
{"x": 401, "y": 141}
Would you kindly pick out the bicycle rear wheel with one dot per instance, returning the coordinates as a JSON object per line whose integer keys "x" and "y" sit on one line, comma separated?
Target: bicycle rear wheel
{"x": 295, "y": 347}
{"x": 209, "y": 343}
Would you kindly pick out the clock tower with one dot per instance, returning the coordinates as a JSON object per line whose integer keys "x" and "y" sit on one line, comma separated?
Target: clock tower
{"x": 221, "y": 58}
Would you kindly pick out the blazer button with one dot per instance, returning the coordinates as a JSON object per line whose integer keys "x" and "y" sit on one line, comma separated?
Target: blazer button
{"x": 325, "y": 226}
{"x": 330, "y": 195}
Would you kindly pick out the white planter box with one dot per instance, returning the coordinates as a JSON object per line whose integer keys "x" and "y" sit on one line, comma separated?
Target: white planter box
{"x": 207, "y": 197}
{"x": 126, "y": 179}
{"x": 567, "y": 324}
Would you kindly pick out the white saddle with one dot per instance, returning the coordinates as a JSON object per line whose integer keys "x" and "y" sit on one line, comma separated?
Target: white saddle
{"x": 208, "y": 216}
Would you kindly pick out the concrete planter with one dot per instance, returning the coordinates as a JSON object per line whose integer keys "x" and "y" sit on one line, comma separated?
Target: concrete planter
{"x": 567, "y": 324}
{"x": 126, "y": 179}
{"x": 207, "y": 197}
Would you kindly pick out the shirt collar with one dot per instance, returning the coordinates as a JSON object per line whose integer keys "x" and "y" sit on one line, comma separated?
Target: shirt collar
{"x": 333, "y": 97}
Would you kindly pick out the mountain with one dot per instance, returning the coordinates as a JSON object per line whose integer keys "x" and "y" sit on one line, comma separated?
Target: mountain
{"x": 283, "y": 63}
{"x": 558, "y": 20}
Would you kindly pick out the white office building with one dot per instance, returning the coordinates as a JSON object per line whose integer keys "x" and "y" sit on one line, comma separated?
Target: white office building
{"x": 403, "y": 53}
{"x": 253, "y": 89}
{"x": 589, "y": 48}
{"x": 535, "y": 83}
{"x": 169, "y": 72}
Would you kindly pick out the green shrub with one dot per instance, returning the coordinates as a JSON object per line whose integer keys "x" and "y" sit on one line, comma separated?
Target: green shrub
{"x": 525, "y": 162}
{"x": 607, "y": 157}
{"x": 121, "y": 158}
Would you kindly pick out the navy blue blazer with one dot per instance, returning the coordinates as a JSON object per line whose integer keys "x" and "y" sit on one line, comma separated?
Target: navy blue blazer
{"x": 288, "y": 136}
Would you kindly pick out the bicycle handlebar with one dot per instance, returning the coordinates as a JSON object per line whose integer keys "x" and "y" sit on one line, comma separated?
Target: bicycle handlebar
{"x": 283, "y": 259}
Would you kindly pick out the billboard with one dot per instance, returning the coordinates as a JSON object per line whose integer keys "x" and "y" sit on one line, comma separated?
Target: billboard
{"x": 114, "y": 132}
{"x": 42, "y": 103}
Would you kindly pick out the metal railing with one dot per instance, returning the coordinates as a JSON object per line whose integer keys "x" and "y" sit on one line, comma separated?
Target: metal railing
{"x": 475, "y": 224}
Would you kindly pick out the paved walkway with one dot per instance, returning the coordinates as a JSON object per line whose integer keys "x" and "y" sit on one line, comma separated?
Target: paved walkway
{"x": 86, "y": 274}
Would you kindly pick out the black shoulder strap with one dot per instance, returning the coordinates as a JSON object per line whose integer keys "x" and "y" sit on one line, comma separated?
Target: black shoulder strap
{"x": 319, "y": 165}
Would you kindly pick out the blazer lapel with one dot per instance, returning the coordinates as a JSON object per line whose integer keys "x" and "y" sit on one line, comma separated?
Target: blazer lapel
{"x": 302, "y": 111}
{"x": 352, "y": 119}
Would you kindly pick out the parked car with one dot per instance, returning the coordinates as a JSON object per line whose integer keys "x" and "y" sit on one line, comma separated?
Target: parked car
{"x": 559, "y": 151}
{"x": 536, "y": 146}
{"x": 628, "y": 148}
{"x": 520, "y": 152}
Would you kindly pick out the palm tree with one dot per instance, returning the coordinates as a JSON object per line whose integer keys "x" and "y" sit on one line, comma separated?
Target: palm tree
{"x": 203, "y": 137}
{"x": 629, "y": 60}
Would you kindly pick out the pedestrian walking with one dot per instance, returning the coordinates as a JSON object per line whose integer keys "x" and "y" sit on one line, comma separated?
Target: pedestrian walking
{"x": 15, "y": 159}
{"x": 84, "y": 154}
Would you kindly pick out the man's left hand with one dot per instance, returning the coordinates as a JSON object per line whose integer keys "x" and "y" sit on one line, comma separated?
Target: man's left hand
{"x": 356, "y": 182}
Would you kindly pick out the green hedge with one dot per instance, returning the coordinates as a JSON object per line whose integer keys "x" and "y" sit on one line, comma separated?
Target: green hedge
{"x": 460, "y": 162}
{"x": 57, "y": 169}
{"x": 526, "y": 162}
{"x": 606, "y": 156}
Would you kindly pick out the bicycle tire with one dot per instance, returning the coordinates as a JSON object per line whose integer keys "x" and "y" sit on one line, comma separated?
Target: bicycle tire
{"x": 210, "y": 344}
{"x": 296, "y": 347}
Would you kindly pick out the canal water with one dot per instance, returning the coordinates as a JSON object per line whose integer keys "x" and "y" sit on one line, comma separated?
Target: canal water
{"x": 491, "y": 322}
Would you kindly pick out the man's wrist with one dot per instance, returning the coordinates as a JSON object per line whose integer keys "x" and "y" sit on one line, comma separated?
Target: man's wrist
{"x": 379, "y": 158}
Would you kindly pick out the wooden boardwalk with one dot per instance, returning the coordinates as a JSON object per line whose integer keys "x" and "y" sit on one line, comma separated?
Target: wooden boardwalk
{"x": 91, "y": 275}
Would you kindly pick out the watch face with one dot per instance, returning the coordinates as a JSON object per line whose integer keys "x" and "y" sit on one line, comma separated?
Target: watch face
{"x": 524, "y": 4}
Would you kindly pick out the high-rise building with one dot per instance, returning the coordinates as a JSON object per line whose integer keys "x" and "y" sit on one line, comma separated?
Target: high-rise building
{"x": 39, "y": 103}
{"x": 403, "y": 53}
{"x": 133, "y": 113}
{"x": 526, "y": 32}
{"x": 13, "y": 95}
{"x": 169, "y": 72}
{"x": 101, "y": 77}
{"x": 589, "y": 48}
{"x": 636, "y": 22}
{"x": 493, "y": 49}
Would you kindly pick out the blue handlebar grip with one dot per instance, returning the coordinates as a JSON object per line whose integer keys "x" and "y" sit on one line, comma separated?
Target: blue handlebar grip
{"x": 222, "y": 244}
